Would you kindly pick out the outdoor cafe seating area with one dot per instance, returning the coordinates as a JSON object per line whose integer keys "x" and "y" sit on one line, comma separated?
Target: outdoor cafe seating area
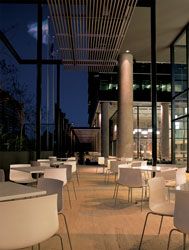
{"x": 116, "y": 204}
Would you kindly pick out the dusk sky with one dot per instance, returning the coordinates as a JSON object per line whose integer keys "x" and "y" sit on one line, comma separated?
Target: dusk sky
{"x": 14, "y": 22}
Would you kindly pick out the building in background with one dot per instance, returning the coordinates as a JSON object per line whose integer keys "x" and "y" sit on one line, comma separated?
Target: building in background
{"x": 103, "y": 87}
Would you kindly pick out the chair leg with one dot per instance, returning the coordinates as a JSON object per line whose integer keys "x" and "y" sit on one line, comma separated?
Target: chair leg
{"x": 61, "y": 240}
{"x": 69, "y": 196}
{"x": 131, "y": 195}
{"x": 105, "y": 176}
{"x": 96, "y": 169}
{"x": 77, "y": 175}
{"x": 74, "y": 190}
{"x": 169, "y": 239}
{"x": 108, "y": 177}
{"x": 160, "y": 224}
{"x": 116, "y": 194}
{"x": 115, "y": 190}
{"x": 144, "y": 229}
{"x": 142, "y": 199}
{"x": 129, "y": 191}
{"x": 184, "y": 241}
{"x": 39, "y": 246}
{"x": 68, "y": 233}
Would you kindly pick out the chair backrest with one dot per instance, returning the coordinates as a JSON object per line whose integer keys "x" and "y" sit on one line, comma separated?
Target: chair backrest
{"x": 130, "y": 177}
{"x": 44, "y": 162}
{"x": 114, "y": 166}
{"x": 128, "y": 159}
{"x": 34, "y": 163}
{"x": 56, "y": 173}
{"x": 181, "y": 215}
{"x": 74, "y": 165}
{"x": 73, "y": 158}
{"x": 28, "y": 222}
{"x": 144, "y": 163}
{"x": 157, "y": 191}
{"x": 16, "y": 175}
{"x": 52, "y": 159}
{"x": 123, "y": 165}
{"x": 109, "y": 161}
{"x": 168, "y": 174}
{"x": 136, "y": 163}
{"x": 101, "y": 160}
{"x": 68, "y": 168}
{"x": 52, "y": 186}
{"x": 2, "y": 175}
{"x": 180, "y": 176}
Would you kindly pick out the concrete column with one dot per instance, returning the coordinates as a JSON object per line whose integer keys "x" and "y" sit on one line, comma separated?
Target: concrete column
{"x": 98, "y": 123}
{"x": 125, "y": 106}
{"x": 104, "y": 129}
{"x": 164, "y": 142}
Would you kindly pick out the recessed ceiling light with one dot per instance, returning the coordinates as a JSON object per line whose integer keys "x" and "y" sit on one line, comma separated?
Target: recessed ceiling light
{"x": 127, "y": 51}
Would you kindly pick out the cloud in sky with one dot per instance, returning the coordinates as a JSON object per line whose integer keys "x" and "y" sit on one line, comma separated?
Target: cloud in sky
{"x": 32, "y": 30}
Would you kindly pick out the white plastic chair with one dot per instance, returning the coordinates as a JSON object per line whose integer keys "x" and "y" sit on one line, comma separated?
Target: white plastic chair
{"x": 44, "y": 162}
{"x": 59, "y": 174}
{"x": 53, "y": 186}
{"x": 131, "y": 178}
{"x": 181, "y": 216}
{"x": 20, "y": 176}
{"x": 180, "y": 176}
{"x": 101, "y": 163}
{"x": 69, "y": 176}
{"x": 74, "y": 168}
{"x": 158, "y": 203}
{"x": 2, "y": 175}
{"x": 25, "y": 223}
{"x": 169, "y": 176}
{"x": 52, "y": 159}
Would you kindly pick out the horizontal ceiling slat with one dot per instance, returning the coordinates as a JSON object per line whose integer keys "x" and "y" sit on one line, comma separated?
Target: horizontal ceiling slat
{"x": 90, "y": 33}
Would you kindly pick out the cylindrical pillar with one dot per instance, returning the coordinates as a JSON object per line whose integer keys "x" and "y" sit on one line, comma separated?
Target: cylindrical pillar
{"x": 164, "y": 142}
{"x": 125, "y": 106}
{"x": 104, "y": 129}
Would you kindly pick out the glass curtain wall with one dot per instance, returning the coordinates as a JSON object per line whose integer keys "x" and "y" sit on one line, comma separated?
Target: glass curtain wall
{"x": 180, "y": 92}
{"x": 142, "y": 132}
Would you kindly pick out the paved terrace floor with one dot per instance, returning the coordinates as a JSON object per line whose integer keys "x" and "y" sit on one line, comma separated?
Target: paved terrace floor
{"x": 96, "y": 224}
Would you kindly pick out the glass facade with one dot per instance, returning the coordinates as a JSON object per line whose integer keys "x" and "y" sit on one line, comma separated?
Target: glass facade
{"x": 180, "y": 92}
{"x": 142, "y": 132}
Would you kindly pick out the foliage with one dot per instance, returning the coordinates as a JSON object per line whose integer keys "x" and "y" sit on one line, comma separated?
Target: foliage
{"x": 18, "y": 91}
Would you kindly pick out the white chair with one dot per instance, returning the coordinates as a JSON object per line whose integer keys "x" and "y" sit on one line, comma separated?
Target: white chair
{"x": 73, "y": 158}
{"x": 180, "y": 176}
{"x": 108, "y": 164}
{"x": 101, "y": 163}
{"x": 158, "y": 203}
{"x": 128, "y": 159}
{"x": 20, "y": 176}
{"x": 181, "y": 216}
{"x": 169, "y": 176}
{"x": 113, "y": 169}
{"x": 58, "y": 174}
{"x": 44, "y": 162}
{"x": 69, "y": 176}
{"x": 131, "y": 178}
{"x": 25, "y": 223}
{"x": 2, "y": 175}
{"x": 53, "y": 186}
{"x": 52, "y": 159}
{"x": 74, "y": 168}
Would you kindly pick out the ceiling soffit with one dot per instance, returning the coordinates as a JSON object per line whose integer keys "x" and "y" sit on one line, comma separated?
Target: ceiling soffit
{"x": 90, "y": 33}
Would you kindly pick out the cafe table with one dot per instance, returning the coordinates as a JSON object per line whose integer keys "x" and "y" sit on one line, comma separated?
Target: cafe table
{"x": 12, "y": 191}
{"x": 32, "y": 170}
